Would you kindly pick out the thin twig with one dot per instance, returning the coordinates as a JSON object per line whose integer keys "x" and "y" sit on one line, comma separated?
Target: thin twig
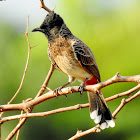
{"x": 26, "y": 66}
{"x": 89, "y": 131}
{"x": 23, "y": 77}
{"x": 124, "y": 102}
{"x": 43, "y": 87}
{"x": 43, "y": 114}
{"x": 13, "y": 132}
{"x": 42, "y": 5}
{"x": 27, "y": 62}
{"x": 18, "y": 132}
{"x": 126, "y": 93}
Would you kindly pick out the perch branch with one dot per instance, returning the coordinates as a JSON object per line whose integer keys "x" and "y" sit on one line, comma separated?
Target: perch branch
{"x": 69, "y": 90}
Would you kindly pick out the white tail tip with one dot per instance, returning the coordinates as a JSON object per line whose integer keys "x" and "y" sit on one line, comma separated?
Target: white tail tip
{"x": 111, "y": 123}
{"x": 104, "y": 125}
{"x": 94, "y": 114}
{"x": 98, "y": 119}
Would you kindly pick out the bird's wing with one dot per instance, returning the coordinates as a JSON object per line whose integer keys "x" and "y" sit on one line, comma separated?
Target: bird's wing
{"x": 86, "y": 58}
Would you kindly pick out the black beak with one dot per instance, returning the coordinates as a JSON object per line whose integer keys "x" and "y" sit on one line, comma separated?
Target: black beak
{"x": 37, "y": 30}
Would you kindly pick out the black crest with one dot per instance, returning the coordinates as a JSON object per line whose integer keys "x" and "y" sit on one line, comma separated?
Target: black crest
{"x": 52, "y": 20}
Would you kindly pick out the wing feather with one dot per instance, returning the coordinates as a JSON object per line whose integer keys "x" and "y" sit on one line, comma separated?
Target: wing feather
{"x": 85, "y": 56}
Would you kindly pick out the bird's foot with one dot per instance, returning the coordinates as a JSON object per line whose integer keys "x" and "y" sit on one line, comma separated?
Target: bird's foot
{"x": 81, "y": 88}
{"x": 57, "y": 91}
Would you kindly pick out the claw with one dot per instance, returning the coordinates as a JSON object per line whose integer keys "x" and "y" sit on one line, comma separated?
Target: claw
{"x": 66, "y": 96}
{"x": 81, "y": 89}
{"x": 57, "y": 91}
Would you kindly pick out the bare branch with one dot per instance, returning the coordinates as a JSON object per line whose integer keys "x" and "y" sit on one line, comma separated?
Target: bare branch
{"x": 124, "y": 102}
{"x": 26, "y": 66}
{"x": 69, "y": 90}
{"x": 89, "y": 131}
{"x": 123, "y": 93}
{"x": 44, "y": 86}
{"x": 42, "y": 114}
{"x": 42, "y": 5}
{"x": 18, "y": 132}
{"x": 13, "y": 132}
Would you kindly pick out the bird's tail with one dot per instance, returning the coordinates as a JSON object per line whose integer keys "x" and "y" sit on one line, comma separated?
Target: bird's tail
{"x": 99, "y": 110}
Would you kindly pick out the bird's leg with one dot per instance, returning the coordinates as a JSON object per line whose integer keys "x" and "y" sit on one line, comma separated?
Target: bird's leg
{"x": 81, "y": 87}
{"x": 57, "y": 90}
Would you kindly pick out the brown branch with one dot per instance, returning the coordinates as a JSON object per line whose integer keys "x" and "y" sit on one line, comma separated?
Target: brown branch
{"x": 13, "y": 132}
{"x": 69, "y": 90}
{"x": 41, "y": 114}
{"x": 124, "y": 102}
{"x": 44, "y": 86}
{"x": 123, "y": 93}
{"x": 42, "y": 5}
{"x": 18, "y": 132}
{"x": 89, "y": 131}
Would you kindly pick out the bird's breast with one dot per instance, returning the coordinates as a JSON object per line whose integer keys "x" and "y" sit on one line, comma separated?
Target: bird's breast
{"x": 62, "y": 52}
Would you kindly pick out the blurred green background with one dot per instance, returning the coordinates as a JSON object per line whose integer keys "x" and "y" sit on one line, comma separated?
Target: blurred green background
{"x": 112, "y": 30}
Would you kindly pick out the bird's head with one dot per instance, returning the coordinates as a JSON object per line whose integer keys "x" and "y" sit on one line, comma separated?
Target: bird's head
{"x": 51, "y": 24}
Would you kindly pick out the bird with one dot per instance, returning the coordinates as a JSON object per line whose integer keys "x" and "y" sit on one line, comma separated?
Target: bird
{"x": 74, "y": 58}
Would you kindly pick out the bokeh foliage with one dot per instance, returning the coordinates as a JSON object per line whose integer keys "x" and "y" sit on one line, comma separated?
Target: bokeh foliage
{"x": 113, "y": 34}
